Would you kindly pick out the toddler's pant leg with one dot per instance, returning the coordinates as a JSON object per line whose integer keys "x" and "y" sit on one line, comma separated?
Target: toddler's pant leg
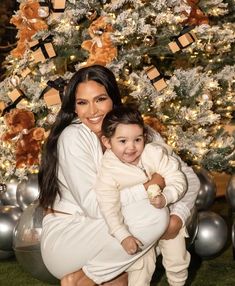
{"x": 141, "y": 272}
{"x": 175, "y": 259}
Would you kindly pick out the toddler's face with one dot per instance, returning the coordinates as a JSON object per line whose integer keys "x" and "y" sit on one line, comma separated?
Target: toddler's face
{"x": 127, "y": 143}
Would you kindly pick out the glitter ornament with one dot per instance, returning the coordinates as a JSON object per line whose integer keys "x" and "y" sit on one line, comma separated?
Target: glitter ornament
{"x": 91, "y": 15}
{"x": 149, "y": 41}
{"x": 15, "y": 80}
{"x": 43, "y": 12}
{"x": 209, "y": 48}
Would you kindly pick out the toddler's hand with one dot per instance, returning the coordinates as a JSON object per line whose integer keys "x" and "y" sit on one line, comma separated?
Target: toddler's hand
{"x": 153, "y": 191}
{"x": 131, "y": 245}
{"x": 158, "y": 202}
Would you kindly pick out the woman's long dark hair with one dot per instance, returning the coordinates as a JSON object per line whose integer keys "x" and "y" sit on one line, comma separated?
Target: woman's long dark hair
{"x": 47, "y": 177}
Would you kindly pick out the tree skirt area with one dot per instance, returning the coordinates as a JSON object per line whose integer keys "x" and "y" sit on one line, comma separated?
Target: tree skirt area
{"x": 217, "y": 271}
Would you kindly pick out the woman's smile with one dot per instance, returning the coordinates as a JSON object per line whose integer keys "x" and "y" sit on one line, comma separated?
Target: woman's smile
{"x": 95, "y": 119}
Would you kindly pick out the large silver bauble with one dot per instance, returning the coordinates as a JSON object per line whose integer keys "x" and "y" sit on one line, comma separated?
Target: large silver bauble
{"x": 9, "y": 216}
{"x": 4, "y": 254}
{"x": 207, "y": 192}
{"x": 230, "y": 192}
{"x": 27, "y": 191}
{"x": 26, "y": 243}
{"x": 233, "y": 235}
{"x": 8, "y": 194}
{"x": 212, "y": 234}
{"x": 192, "y": 227}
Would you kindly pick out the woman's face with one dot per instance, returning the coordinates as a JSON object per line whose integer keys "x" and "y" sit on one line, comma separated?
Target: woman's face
{"x": 92, "y": 104}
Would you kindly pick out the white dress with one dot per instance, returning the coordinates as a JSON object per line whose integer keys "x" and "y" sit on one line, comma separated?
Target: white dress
{"x": 81, "y": 239}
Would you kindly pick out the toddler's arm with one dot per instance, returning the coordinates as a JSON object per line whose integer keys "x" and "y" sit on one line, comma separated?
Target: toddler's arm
{"x": 131, "y": 245}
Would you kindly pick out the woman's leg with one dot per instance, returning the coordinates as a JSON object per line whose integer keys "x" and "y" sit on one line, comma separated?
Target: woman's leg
{"x": 77, "y": 278}
{"x": 121, "y": 280}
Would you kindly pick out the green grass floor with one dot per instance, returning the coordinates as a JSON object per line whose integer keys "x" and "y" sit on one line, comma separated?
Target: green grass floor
{"x": 219, "y": 271}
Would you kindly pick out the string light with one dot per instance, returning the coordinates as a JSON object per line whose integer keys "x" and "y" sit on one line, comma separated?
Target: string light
{"x": 72, "y": 57}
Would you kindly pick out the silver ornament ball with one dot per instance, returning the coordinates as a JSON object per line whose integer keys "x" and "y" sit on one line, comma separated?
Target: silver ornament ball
{"x": 5, "y": 254}
{"x": 212, "y": 234}
{"x": 9, "y": 216}
{"x": 26, "y": 243}
{"x": 8, "y": 193}
{"x": 192, "y": 227}
{"x": 233, "y": 234}
{"x": 27, "y": 191}
{"x": 230, "y": 192}
{"x": 207, "y": 192}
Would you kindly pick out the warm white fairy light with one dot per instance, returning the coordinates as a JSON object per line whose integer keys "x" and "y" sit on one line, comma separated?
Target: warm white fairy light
{"x": 72, "y": 57}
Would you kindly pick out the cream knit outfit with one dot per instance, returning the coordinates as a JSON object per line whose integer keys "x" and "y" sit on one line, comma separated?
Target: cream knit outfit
{"x": 81, "y": 240}
{"x": 114, "y": 175}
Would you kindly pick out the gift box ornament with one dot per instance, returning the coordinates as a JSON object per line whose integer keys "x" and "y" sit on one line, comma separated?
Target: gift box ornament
{"x": 54, "y": 6}
{"x": 2, "y": 107}
{"x": 156, "y": 78}
{"x": 16, "y": 96}
{"x": 183, "y": 40}
{"x": 25, "y": 72}
{"x": 58, "y": 6}
{"x": 52, "y": 97}
{"x": 53, "y": 93}
{"x": 42, "y": 50}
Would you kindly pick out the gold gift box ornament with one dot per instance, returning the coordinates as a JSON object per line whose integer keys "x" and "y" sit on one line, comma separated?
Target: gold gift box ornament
{"x": 42, "y": 49}
{"x": 56, "y": 7}
{"x": 156, "y": 78}
{"x": 16, "y": 95}
{"x": 2, "y": 107}
{"x": 183, "y": 40}
{"x": 25, "y": 72}
{"x": 53, "y": 93}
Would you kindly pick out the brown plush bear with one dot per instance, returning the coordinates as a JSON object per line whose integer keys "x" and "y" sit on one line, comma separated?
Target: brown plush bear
{"x": 101, "y": 48}
{"x": 28, "y": 22}
{"x": 156, "y": 124}
{"x": 24, "y": 137}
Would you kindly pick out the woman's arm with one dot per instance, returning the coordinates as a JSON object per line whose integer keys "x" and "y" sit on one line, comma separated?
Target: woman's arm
{"x": 78, "y": 166}
{"x": 182, "y": 208}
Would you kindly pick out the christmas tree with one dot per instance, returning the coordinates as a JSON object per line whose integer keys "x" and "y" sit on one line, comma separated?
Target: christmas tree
{"x": 173, "y": 58}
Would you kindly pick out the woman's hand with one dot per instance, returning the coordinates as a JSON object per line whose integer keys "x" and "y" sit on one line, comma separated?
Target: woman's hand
{"x": 175, "y": 225}
{"x": 131, "y": 245}
{"x": 156, "y": 179}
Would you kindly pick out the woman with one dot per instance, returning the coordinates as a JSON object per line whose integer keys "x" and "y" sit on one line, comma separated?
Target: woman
{"x": 74, "y": 233}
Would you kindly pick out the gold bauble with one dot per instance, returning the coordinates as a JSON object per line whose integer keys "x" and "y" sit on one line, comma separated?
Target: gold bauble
{"x": 149, "y": 40}
{"x": 209, "y": 48}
